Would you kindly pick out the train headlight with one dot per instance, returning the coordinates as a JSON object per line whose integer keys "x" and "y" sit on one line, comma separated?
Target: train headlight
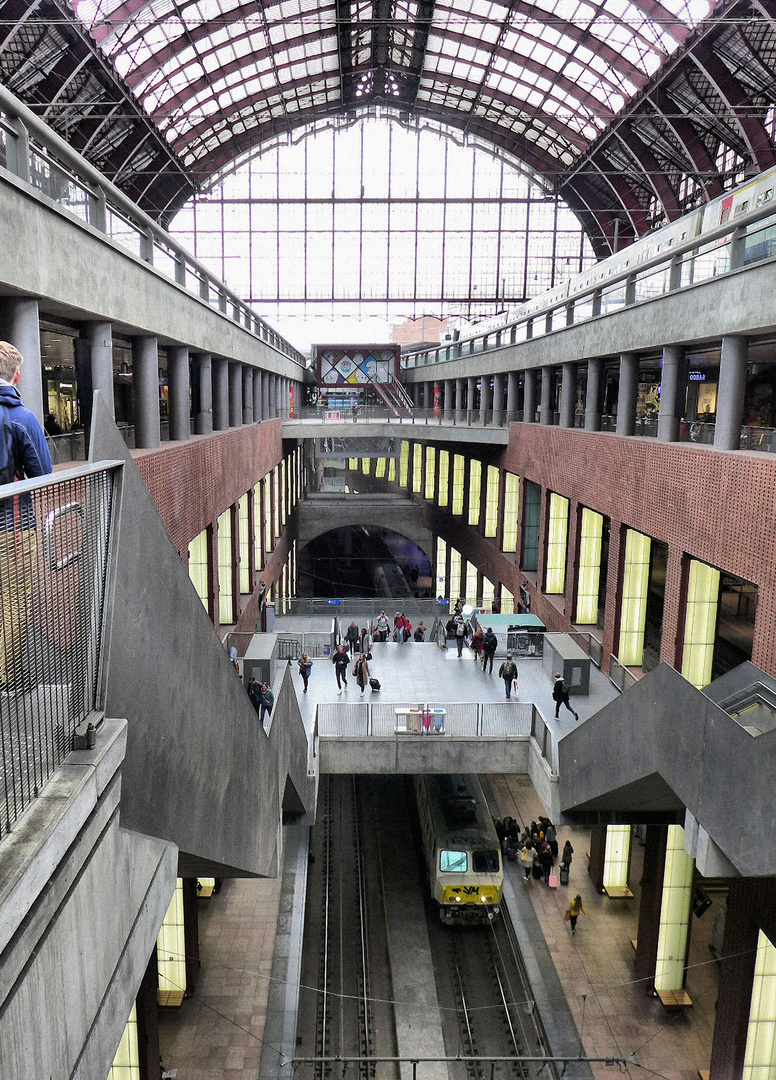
{"x": 457, "y": 899}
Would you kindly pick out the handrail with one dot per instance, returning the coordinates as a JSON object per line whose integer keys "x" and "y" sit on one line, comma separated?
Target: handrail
{"x": 20, "y": 121}
{"x": 595, "y": 278}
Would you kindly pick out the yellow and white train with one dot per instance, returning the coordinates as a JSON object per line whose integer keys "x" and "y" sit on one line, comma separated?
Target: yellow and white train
{"x": 460, "y": 847}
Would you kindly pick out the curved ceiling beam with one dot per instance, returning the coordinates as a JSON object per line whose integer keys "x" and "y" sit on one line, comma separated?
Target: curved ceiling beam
{"x": 625, "y": 195}
{"x": 597, "y": 222}
{"x": 651, "y": 170}
{"x": 732, "y": 94}
{"x": 101, "y": 29}
{"x": 699, "y": 160}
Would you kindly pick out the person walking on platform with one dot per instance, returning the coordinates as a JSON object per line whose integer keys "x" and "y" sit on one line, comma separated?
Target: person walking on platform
{"x": 565, "y": 859}
{"x": 382, "y": 627}
{"x": 528, "y": 858}
{"x": 353, "y": 637}
{"x": 508, "y": 672}
{"x": 305, "y": 667}
{"x": 460, "y": 628}
{"x": 573, "y": 912}
{"x": 489, "y": 646}
{"x": 420, "y": 632}
{"x": 341, "y": 659}
{"x": 361, "y": 671}
{"x": 560, "y": 695}
{"x": 266, "y": 701}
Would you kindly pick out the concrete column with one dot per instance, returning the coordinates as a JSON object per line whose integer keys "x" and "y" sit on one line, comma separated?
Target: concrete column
{"x": 485, "y": 399}
{"x": 498, "y": 398}
{"x": 459, "y": 395}
{"x": 258, "y": 375}
{"x": 20, "y": 326}
{"x": 471, "y": 386}
{"x": 235, "y": 395}
{"x": 247, "y": 394}
{"x": 529, "y": 397}
{"x": 512, "y": 392}
{"x": 180, "y": 395}
{"x": 593, "y": 393}
{"x": 626, "y": 400}
{"x": 145, "y": 392}
{"x": 448, "y": 391}
{"x": 220, "y": 394}
{"x": 568, "y": 395}
{"x": 673, "y": 393}
{"x": 547, "y": 406}
{"x": 730, "y": 392}
{"x": 266, "y": 381}
{"x": 203, "y": 421}
{"x": 100, "y": 338}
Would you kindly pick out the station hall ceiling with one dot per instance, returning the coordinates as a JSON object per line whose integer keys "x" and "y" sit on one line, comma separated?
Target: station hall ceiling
{"x": 631, "y": 110}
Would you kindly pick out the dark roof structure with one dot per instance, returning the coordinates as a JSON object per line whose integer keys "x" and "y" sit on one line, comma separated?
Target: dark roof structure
{"x": 632, "y": 110}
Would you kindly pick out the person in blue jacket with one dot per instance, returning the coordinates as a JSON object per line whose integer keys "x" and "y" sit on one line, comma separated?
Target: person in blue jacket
{"x": 23, "y": 453}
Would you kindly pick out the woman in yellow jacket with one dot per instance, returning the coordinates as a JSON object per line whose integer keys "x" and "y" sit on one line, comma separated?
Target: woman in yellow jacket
{"x": 573, "y": 911}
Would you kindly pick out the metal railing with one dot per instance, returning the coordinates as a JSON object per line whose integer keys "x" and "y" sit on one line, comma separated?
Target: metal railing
{"x": 54, "y": 543}
{"x": 32, "y": 153}
{"x": 620, "y": 675}
{"x": 450, "y": 720}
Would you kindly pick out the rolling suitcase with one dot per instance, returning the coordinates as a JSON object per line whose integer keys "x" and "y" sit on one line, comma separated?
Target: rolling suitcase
{"x": 374, "y": 683}
{"x": 564, "y": 875}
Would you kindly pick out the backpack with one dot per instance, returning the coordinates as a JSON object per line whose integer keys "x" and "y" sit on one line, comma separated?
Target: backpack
{"x": 7, "y": 460}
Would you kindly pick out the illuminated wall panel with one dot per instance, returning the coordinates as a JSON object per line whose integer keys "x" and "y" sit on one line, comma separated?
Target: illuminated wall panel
{"x": 126, "y": 1064}
{"x": 257, "y": 533}
{"x": 589, "y": 573}
{"x": 428, "y": 492}
{"x": 198, "y": 565}
{"x": 471, "y": 584}
{"x": 441, "y": 568}
{"x": 392, "y": 469}
{"x": 443, "y": 495}
{"x": 488, "y": 592}
{"x": 283, "y": 493}
{"x": 700, "y": 625}
{"x": 511, "y": 505}
{"x": 366, "y": 466}
{"x": 617, "y": 856}
{"x": 507, "y": 601}
{"x": 458, "y": 472}
{"x": 380, "y": 467}
{"x": 475, "y": 491}
{"x": 268, "y": 543}
{"x": 278, "y": 500}
{"x": 455, "y": 574}
{"x": 674, "y": 913}
{"x": 353, "y": 463}
{"x": 557, "y": 536}
{"x": 417, "y": 468}
{"x": 491, "y": 501}
{"x": 404, "y": 461}
{"x": 760, "y": 1054}
{"x": 635, "y": 585}
{"x": 225, "y": 580}
{"x": 245, "y": 569}
{"x": 171, "y": 946}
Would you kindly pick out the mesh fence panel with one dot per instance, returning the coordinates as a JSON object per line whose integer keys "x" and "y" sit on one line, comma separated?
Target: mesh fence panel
{"x": 53, "y": 563}
{"x": 505, "y": 718}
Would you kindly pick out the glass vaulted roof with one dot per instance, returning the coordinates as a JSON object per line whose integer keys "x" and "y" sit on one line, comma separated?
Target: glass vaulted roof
{"x": 541, "y": 80}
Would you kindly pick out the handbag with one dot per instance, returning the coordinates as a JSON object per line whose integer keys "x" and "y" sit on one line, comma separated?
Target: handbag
{"x": 523, "y": 856}
{"x": 368, "y": 657}
{"x": 567, "y": 916}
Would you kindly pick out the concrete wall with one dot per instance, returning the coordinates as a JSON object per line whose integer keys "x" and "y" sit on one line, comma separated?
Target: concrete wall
{"x": 321, "y": 513}
{"x": 412, "y": 754}
{"x": 81, "y": 902}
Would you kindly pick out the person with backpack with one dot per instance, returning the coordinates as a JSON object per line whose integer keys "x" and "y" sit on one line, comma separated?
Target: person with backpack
{"x": 305, "y": 667}
{"x": 23, "y": 453}
{"x": 508, "y": 672}
{"x": 560, "y": 695}
{"x": 460, "y": 629}
{"x": 489, "y": 646}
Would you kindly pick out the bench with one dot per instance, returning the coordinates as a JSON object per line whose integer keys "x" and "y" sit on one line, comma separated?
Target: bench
{"x": 674, "y": 999}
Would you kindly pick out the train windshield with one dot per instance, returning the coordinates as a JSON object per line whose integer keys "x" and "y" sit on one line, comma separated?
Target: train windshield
{"x": 486, "y": 862}
{"x": 452, "y": 862}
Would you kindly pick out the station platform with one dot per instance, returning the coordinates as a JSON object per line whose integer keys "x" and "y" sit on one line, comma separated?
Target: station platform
{"x": 223, "y": 1032}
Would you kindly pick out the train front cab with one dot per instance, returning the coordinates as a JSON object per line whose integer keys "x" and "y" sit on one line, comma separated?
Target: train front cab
{"x": 468, "y": 884}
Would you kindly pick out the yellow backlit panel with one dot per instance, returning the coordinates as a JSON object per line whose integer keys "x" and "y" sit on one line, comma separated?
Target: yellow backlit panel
{"x": 417, "y": 468}
{"x": 282, "y": 493}
{"x": 242, "y": 518}
{"x": 674, "y": 913}
{"x": 556, "y": 544}
{"x": 635, "y": 584}
{"x": 276, "y": 489}
{"x": 126, "y": 1064}
{"x": 392, "y": 469}
{"x": 225, "y": 605}
{"x": 380, "y": 467}
{"x": 428, "y": 493}
{"x": 441, "y": 568}
{"x": 171, "y": 945}
{"x": 258, "y": 553}
{"x": 458, "y": 471}
{"x": 455, "y": 574}
{"x": 198, "y": 565}
{"x": 700, "y": 626}
{"x": 760, "y": 1054}
{"x": 511, "y": 504}
{"x": 617, "y": 855}
{"x": 366, "y": 466}
{"x": 471, "y": 584}
{"x": 488, "y": 592}
{"x": 444, "y": 478}
{"x": 404, "y": 461}
{"x": 589, "y": 573}
{"x": 491, "y": 501}
{"x": 475, "y": 490}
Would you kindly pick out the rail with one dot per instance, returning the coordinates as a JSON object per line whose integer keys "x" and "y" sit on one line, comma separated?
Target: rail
{"x": 33, "y": 154}
{"x": 433, "y": 720}
{"x": 620, "y": 675}
{"x": 612, "y": 285}
{"x": 54, "y": 545}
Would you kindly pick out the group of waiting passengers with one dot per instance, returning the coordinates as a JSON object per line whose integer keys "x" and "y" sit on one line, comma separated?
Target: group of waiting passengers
{"x": 536, "y": 847}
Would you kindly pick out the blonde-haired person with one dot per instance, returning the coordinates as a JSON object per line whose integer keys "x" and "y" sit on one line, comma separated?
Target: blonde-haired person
{"x": 573, "y": 912}
{"x": 305, "y": 667}
{"x": 23, "y": 453}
